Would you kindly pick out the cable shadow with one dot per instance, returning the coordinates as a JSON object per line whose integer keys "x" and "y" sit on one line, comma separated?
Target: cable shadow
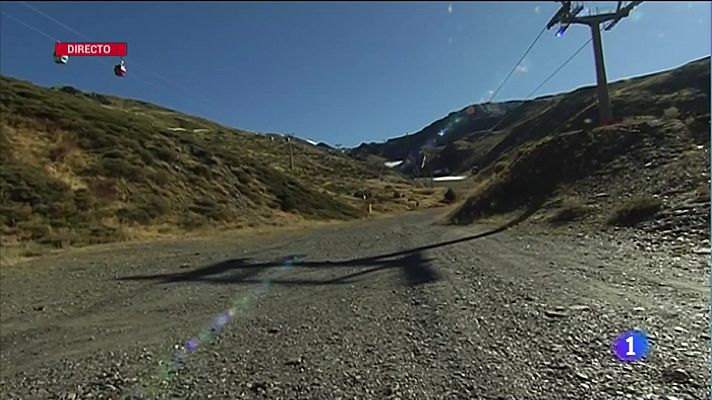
{"x": 414, "y": 266}
{"x": 415, "y": 270}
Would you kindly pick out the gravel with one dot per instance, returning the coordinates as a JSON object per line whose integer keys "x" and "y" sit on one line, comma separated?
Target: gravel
{"x": 520, "y": 314}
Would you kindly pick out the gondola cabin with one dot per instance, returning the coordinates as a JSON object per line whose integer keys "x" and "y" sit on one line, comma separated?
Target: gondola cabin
{"x": 60, "y": 59}
{"x": 120, "y": 69}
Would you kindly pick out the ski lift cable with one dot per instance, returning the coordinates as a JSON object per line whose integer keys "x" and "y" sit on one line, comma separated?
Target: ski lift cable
{"x": 53, "y": 20}
{"x": 37, "y": 30}
{"x": 28, "y": 26}
{"x": 133, "y": 63}
{"x": 556, "y": 71}
{"x": 54, "y": 39}
{"x": 67, "y": 27}
{"x": 509, "y": 75}
{"x": 57, "y": 22}
{"x": 531, "y": 46}
{"x": 560, "y": 67}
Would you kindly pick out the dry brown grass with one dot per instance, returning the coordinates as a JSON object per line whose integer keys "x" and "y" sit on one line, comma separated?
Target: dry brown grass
{"x": 95, "y": 169}
{"x": 634, "y": 211}
{"x": 15, "y": 253}
{"x": 532, "y": 172}
{"x": 570, "y": 209}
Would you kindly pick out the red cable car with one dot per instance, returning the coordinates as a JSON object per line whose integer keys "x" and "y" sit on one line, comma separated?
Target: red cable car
{"x": 120, "y": 69}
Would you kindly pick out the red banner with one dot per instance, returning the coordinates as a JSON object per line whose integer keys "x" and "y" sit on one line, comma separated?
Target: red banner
{"x": 90, "y": 49}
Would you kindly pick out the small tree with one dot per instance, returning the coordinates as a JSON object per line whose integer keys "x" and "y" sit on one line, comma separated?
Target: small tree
{"x": 450, "y": 196}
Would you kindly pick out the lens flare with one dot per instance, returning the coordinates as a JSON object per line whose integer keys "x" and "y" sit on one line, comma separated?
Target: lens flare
{"x": 192, "y": 345}
{"x": 169, "y": 367}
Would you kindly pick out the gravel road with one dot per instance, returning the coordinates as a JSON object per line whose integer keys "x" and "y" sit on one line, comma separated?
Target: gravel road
{"x": 379, "y": 309}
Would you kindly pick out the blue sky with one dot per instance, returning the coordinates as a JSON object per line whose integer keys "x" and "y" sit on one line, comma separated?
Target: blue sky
{"x": 337, "y": 72}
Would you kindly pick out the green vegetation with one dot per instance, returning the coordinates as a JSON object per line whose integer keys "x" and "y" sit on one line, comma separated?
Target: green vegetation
{"x": 671, "y": 113}
{"x": 450, "y": 196}
{"x": 676, "y": 94}
{"x": 532, "y": 172}
{"x": 703, "y": 192}
{"x": 79, "y": 168}
{"x": 571, "y": 209}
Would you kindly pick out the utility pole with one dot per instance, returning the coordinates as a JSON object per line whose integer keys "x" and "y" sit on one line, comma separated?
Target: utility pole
{"x": 291, "y": 153}
{"x": 422, "y": 167}
{"x": 429, "y": 154}
{"x": 567, "y": 16}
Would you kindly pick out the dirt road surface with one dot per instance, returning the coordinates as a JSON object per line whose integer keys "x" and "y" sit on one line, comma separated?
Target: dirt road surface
{"x": 380, "y": 309}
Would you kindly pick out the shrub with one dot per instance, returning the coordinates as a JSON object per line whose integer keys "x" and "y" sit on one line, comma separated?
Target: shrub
{"x": 105, "y": 190}
{"x": 450, "y": 196}
{"x": 210, "y": 209}
{"x": 155, "y": 206}
{"x": 158, "y": 176}
{"x": 11, "y": 215}
{"x": 63, "y": 209}
{"x": 25, "y": 184}
{"x": 58, "y": 153}
{"x": 115, "y": 153}
{"x": 57, "y": 240}
{"x": 242, "y": 174}
{"x": 145, "y": 156}
{"x": 570, "y": 210}
{"x": 70, "y": 90}
{"x": 162, "y": 153}
{"x": 500, "y": 167}
{"x": 83, "y": 200}
{"x": 635, "y": 211}
{"x": 201, "y": 170}
{"x": 703, "y": 192}
{"x": 671, "y": 113}
{"x": 35, "y": 230}
{"x": 133, "y": 215}
{"x": 360, "y": 193}
{"x": 98, "y": 233}
{"x": 287, "y": 202}
{"x": 120, "y": 168}
{"x": 192, "y": 221}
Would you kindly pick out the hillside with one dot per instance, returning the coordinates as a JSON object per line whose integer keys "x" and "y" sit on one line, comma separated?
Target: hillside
{"x": 467, "y": 141}
{"x": 479, "y": 117}
{"x": 81, "y": 168}
{"x": 650, "y": 170}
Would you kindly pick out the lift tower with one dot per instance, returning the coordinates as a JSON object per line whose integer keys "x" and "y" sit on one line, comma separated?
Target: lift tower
{"x": 567, "y": 16}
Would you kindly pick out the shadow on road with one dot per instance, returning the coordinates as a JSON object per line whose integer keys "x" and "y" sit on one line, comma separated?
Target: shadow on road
{"x": 415, "y": 267}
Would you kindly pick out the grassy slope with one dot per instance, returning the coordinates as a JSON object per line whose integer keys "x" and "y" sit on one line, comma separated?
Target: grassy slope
{"x": 83, "y": 168}
{"x": 659, "y": 155}
{"x": 469, "y": 143}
